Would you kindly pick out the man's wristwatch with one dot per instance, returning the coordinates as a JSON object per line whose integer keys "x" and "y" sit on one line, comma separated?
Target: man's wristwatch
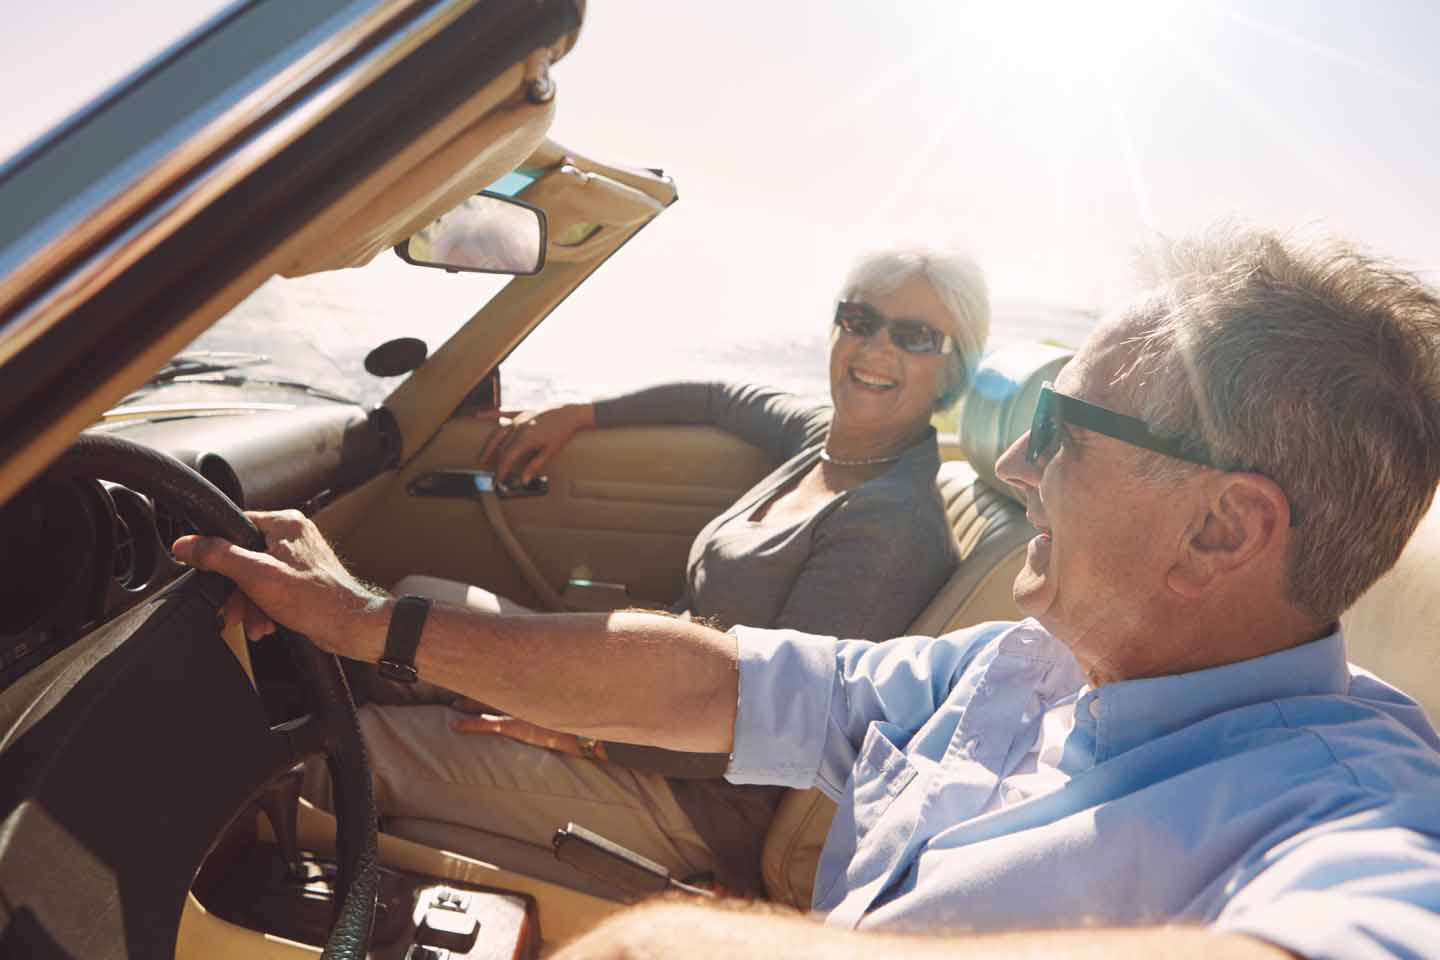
{"x": 403, "y": 639}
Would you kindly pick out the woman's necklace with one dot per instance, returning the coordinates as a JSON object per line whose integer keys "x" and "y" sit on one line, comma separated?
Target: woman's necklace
{"x": 868, "y": 461}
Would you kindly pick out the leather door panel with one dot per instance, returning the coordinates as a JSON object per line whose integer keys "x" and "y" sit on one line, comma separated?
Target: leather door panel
{"x": 623, "y": 506}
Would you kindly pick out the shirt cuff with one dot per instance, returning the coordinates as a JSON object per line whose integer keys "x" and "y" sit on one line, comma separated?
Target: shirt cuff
{"x": 787, "y": 679}
{"x": 1324, "y": 926}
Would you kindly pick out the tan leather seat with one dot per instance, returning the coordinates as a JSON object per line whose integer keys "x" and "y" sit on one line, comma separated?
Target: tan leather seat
{"x": 991, "y": 534}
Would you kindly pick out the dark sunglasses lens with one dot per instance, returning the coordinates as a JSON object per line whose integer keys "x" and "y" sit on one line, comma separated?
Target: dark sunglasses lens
{"x": 1042, "y": 430}
{"x": 914, "y": 337}
{"x": 856, "y": 319}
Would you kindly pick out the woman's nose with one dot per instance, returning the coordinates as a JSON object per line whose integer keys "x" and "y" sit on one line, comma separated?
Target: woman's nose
{"x": 878, "y": 341}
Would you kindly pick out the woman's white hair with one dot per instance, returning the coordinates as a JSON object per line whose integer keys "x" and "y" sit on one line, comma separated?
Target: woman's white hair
{"x": 959, "y": 283}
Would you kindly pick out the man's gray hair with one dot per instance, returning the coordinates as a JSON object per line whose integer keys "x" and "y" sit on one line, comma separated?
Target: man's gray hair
{"x": 1315, "y": 365}
{"x": 960, "y": 285}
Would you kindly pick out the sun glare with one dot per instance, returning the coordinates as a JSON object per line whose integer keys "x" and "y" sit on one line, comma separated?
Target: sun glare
{"x": 1096, "y": 40}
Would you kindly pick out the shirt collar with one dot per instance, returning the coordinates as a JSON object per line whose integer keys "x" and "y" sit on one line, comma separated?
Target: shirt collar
{"x": 1131, "y": 712}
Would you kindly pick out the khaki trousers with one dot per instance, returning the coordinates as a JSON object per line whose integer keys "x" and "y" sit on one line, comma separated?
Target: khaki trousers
{"x": 437, "y": 786}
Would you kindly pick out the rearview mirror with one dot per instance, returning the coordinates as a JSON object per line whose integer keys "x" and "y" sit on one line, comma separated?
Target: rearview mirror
{"x": 489, "y": 233}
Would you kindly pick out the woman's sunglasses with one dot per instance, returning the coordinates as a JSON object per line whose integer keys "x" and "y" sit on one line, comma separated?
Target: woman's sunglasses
{"x": 912, "y": 336}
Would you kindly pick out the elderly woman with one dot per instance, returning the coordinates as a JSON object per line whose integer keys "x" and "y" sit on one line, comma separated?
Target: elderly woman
{"x": 847, "y": 537}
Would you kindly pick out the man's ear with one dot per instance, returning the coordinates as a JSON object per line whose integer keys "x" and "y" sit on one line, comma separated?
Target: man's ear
{"x": 1243, "y": 520}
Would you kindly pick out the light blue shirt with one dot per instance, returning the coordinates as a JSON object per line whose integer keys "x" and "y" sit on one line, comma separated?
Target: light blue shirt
{"x": 1292, "y": 796}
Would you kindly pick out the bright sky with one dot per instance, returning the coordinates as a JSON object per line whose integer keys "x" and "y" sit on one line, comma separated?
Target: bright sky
{"x": 1044, "y": 136}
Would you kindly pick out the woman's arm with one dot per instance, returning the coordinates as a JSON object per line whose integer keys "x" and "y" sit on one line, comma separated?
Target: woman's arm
{"x": 779, "y": 423}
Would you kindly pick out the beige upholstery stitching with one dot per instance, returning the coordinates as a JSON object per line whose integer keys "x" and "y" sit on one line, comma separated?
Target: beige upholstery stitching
{"x": 991, "y": 537}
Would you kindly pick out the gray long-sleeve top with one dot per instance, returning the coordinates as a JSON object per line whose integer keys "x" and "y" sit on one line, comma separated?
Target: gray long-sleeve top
{"x": 860, "y": 566}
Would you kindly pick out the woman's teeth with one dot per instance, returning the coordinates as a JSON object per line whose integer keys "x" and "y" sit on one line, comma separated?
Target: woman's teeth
{"x": 872, "y": 380}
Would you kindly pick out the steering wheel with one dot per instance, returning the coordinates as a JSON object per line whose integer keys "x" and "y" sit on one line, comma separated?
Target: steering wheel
{"x": 166, "y": 479}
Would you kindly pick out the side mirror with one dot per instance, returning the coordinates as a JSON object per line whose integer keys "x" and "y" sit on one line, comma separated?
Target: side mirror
{"x": 489, "y": 233}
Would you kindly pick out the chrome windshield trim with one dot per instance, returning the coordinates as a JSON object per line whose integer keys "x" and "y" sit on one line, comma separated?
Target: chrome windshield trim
{"x": 150, "y": 411}
{"x": 199, "y": 168}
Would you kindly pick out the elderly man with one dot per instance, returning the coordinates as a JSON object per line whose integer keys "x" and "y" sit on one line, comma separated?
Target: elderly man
{"x": 1170, "y": 758}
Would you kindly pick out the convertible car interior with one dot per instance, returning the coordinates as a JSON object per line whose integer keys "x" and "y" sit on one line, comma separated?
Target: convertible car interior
{"x": 149, "y": 801}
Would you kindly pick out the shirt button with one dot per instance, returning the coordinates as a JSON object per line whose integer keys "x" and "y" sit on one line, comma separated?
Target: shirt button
{"x": 1094, "y": 708}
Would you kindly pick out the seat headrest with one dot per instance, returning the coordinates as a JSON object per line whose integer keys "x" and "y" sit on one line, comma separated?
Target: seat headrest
{"x": 1000, "y": 403}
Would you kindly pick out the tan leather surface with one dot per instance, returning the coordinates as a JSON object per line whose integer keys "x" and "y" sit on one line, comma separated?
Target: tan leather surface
{"x": 991, "y": 532}
{"x": 624, "y": 506}
{"x": 991, "y": 535}
{"x": 564, "y": 913}
{"x": 426, "y": 178}
{"x": 792, "y": 852}
{"x": 1391, "y": 630}
{"x": 204, "y": 936}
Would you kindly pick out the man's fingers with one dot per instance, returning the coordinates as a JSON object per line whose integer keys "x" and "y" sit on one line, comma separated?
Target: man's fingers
{"x": 278, "y": 524}
{"x": 217, "y": 554}
{"x": 257, "y": 625}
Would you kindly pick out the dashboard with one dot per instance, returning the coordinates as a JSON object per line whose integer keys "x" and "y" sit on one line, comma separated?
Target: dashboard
{"x": 81, "y": 551}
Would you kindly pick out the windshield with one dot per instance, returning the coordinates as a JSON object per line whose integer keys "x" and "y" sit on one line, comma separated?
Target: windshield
{"x": 314, "y": 332}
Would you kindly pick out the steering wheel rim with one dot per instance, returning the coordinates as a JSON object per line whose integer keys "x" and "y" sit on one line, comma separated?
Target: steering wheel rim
{"x": 164, "y": 478}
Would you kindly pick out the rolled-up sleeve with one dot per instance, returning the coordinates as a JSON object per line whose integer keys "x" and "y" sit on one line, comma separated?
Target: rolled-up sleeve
{"x": 1346, "y": 895}
{"x": 787, "y": 682}
{"x": 806, "y": 701}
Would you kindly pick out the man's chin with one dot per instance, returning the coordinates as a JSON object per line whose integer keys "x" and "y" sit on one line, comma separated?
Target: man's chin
{"x": 1032, "y": 593}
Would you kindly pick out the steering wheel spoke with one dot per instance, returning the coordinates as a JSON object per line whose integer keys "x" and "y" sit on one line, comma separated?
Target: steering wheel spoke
{"x": 332, "y": 727}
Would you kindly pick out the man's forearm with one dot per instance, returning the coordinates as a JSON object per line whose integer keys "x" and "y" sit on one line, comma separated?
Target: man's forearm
{"x": 630, "y": 676}
{"x": 705, "y": 933}
{"x": 636, "y": 677}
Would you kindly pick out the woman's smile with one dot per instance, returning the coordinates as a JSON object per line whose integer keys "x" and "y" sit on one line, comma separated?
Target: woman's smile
{"x": 873, "y": 381}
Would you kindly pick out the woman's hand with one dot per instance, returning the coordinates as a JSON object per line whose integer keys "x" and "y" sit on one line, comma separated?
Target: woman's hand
{"x": 525, "y": 732}
{"x": 521, "y": 448}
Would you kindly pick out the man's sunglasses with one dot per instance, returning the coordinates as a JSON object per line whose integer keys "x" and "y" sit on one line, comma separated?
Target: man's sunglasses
{"x": 912, "y": 336}
{"x": 1054, "y": 408}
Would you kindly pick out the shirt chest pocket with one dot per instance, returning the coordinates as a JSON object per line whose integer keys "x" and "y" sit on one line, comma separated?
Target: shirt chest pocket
{"x": 882, "y": 773}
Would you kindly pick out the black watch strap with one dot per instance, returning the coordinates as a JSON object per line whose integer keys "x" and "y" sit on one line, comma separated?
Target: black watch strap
{"x": 403, "y": 639}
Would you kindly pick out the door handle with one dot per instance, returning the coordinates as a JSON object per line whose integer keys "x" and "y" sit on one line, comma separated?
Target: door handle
{"x": 471, "y": 484}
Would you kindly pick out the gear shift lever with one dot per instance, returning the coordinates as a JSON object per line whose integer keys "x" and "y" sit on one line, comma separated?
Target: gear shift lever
{"x": 281, "y": 803}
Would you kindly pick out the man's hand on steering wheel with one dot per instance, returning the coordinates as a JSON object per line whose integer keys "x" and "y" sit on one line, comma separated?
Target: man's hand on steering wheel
{"x": 298, "y": 582}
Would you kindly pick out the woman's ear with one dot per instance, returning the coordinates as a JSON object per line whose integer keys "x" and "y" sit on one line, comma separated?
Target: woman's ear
{"x": 1242, "y": 522}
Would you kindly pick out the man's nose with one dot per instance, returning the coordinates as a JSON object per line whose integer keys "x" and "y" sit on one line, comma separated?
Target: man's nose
{"x": 1015, "y": 468}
